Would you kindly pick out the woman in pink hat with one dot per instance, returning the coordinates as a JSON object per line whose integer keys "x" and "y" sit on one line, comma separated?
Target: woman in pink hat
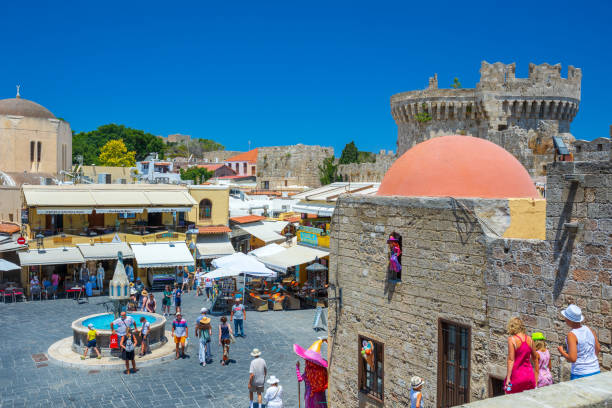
{"x": 314, "y": 375}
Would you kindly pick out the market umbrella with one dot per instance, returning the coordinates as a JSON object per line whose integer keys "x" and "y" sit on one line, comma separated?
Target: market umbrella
{"x": 7, "y": 266}
{"x": 316, "y": 267}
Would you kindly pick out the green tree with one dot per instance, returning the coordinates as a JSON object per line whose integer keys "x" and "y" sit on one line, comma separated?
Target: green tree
{"x": 115, "y": 153}
{"x": 89, "y": 144}
{"x": 197, "y": 174}
{"x": 350, "y": 154}
{"x": 209, "y": 145}
{"x": 456, "y": 84}
{"x": 328, "y": 171}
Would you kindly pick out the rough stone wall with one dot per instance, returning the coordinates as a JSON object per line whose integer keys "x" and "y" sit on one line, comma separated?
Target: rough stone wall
{"x": 217, "y": 156}
{"x": 290, "y": 165}
{"x": 519, "y": 114}
{"x": 367, "y": 171}
{"x": 456, "y": 269}
{"x": 443, "y": 260}
{"x": 598, "y": 149}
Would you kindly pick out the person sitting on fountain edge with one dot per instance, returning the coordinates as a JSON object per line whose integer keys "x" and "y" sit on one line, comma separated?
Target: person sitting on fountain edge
{"x": 121, "y": 325}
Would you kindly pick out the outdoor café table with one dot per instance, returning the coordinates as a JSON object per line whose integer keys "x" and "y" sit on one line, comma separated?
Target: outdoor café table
{"x": 77, "y": 290}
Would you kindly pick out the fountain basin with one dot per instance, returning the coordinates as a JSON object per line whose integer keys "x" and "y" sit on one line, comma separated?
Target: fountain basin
{"x": 102, "y": 321}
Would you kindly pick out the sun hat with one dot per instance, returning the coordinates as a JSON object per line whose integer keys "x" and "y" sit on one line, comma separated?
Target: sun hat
{"x": 416, "y": 382}
{"x": 273, "y": 380}
{"x": 313, "y": 354}
{"x": 255, "y": 352}
{"x": 205, "y": 320}
{"x": 203, "y": 310}
{"x": 573, "y": 314}
{"x": 90, "y": 325}
{"x": 144, "y": 293}
{"x": 537, "y": 336}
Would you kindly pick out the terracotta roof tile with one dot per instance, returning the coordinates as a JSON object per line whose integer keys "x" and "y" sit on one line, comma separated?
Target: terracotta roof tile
{"x": 250, "y": 156}
{"x": 295, "y": 218}
{"x": 213, "y": 229}
{"x": 211, "y": 167}
{"x": 9, "y": 228}
{"x": 245, "y": 219}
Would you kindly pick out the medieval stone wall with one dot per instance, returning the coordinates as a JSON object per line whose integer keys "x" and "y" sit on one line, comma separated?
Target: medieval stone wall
{"x": 590, "y": 150}
{"x": 367, "y": 171}
{"x": 456, "y": 268}
{"x": 283, "y": 166}
{"x": 519, "y": 114}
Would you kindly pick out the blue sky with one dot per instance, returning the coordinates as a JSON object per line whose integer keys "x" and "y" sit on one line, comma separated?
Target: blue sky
{"x": 281, "y": 73}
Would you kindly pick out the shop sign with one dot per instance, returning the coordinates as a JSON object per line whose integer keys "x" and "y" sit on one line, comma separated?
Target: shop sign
{"x": 24, "y": 215}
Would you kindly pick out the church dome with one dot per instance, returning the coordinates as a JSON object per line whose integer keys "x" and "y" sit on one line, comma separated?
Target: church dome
{"x": 23, "y": 107}
{"x": 458, "y": 166}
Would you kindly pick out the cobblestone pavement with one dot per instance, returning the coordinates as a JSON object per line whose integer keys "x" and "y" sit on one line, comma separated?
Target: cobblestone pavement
{"x": 30, "y": 328}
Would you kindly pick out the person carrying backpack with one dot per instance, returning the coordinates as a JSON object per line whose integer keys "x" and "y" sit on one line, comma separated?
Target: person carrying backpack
{"x": 128, "y": 345}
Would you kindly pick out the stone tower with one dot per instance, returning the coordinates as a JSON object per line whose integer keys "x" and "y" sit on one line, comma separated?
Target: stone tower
{"x": 519, "y": 114}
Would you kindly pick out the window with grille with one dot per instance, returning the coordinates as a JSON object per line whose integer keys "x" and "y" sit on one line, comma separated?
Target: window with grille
{"x": 371, "y": 368}
{"x": 454, "y": 353}
{"x": 205, "y": 209}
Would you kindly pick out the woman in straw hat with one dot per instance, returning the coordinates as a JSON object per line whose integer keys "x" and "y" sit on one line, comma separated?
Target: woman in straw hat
{"x": 416, "y": 396}
{"x": 274, "y": 394}
{"x": 582, "y": 345}
{"x": 314, "y": 375}
{"x": 204, "y": 333}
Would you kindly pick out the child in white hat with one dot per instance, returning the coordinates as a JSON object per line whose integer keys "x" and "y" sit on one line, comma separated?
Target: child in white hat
{"x": 274, "y": 393}
{"x": 91, "y": 342}
{"x": 416, "y": 396}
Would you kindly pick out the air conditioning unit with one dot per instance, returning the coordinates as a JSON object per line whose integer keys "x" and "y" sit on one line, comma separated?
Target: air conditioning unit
{"x": 104, "y": 178}
{"x": 122, "y": 181}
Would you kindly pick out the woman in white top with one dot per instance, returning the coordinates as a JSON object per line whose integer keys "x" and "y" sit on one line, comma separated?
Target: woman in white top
{"x": 582, "y": 345}
{"x": 274, "y": 394}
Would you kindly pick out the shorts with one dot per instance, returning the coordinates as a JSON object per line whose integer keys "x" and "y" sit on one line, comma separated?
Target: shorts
{"x": 128, "y": 355}
{"x": 91, "y": 343}
{"x": 178, "y": 340}
{"x": 577, "y": 376}
{"x": 256, "y": 388}
{"x": 177, "y": 302}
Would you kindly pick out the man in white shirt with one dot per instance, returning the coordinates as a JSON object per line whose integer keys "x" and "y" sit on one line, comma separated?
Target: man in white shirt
{"x": 208, "y": 285}
{"x": 257, "y": 376}
{"x": 121, "y": 324}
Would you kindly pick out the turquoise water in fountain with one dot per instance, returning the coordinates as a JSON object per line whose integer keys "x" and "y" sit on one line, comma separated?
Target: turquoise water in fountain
{"x": 103, "y": 322}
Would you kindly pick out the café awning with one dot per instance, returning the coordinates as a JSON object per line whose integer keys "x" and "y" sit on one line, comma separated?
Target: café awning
{"x": 296, "y": 255}
{"x": 162, "y": 254}
{"x": 105, "y": 251}
{"x": 214, "y": 246}
{"x": 7, "y": 266}
{"x": 59, "y": 210}
{"x": 242, "y": 263}
{"x": 168, "y": 209}
{"x": 51, "y": 256}
{"x": 262, "y": 231}
{"x": 267, "y": 250}
{"x": 322, "y": 210}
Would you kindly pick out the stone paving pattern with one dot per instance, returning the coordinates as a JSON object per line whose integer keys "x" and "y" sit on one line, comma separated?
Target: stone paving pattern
{"x": 30, "y": 328}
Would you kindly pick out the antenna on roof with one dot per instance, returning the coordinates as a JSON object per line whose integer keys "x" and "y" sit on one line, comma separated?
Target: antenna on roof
{"x": 18, "y": 96}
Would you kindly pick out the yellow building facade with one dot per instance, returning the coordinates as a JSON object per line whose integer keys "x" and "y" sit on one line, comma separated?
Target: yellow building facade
{"x": 212, "y": 205}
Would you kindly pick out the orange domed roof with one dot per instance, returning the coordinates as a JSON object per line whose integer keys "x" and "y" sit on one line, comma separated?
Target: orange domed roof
{"x": 458, "y": 166}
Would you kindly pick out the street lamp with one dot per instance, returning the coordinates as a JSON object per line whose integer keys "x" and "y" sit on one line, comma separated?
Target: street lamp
{"x": 40, "y": 240}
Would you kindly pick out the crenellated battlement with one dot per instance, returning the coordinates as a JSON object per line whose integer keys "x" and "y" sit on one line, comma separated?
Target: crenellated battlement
{"x": 500, "y": 106}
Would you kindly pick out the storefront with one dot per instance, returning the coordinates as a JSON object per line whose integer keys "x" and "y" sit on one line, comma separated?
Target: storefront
{"x": 213, "y": 246}
{"x": 295, "y": 258}
{"x": 105, "y": 254}
{"x": 44, "y": 262}
{"x": 157, "y": 261}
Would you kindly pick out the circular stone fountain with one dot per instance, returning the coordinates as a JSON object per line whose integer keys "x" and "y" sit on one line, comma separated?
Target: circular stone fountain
{"x": 102, "y": 321}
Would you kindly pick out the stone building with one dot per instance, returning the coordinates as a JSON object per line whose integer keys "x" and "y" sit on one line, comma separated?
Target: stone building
{"x": 32, "y": 138}
{"x": 519, "y": 114}
{"x": 475, "y": 252}
{"x": 367, "y": 171}
{"x": 597, "y": 149}
{"x": 296, "y": 165}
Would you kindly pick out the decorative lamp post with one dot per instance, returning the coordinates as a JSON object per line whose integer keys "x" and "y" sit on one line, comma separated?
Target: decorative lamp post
{"x": 119, "y": 286}
{"x": 40, "y": 240}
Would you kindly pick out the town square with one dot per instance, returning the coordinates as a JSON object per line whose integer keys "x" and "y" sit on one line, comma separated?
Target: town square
{"x": 318, "y": 205}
